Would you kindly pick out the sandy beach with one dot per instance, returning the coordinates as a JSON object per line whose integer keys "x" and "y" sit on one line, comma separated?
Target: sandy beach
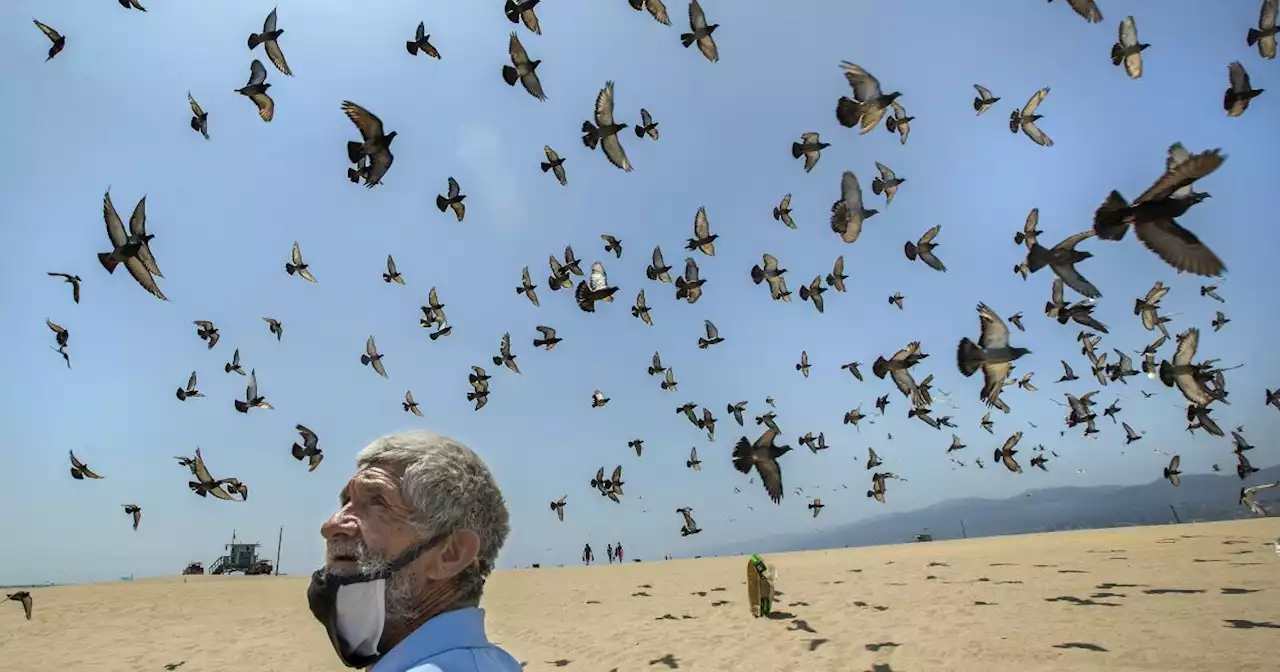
{"x": 1185, "y": 597}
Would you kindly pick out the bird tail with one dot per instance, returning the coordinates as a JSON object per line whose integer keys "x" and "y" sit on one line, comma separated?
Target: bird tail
{"x": 639, "y": 131}
{"x": 742, "y": 456}
{"x": 108, "y": 261}
{"x": 804, "y": 293}
{"x": 442, "y": 203}
{"x": 590, "y": 136}
{"x": 1252, "y": 37}
{"x": 757, "y": 273}
{"x": 797, "y": 150}
{"x": 1015, "y": 121}
{"x": 880, "y": 367}
{"x": 364, "y": 359}
{"x": 686, "y": 39}
{"x": 512, "y": 11}
{"x": 1117, "y": 54}
{"x": 977, "y": 104}
{"x": 412, "y": 47}
{"x": 1038, "y": 257}
{"x": 967, "y": 357}
{"x": 241, "y": 406}
{"x": 1109, "y": 219}
{"x": 254, "y": 41}
{"x": 545, "y": 166}
{"x": 1166, "y": 373}
{"x": 290, "y": 269}
{"x": 509, "y": 75}
{"x": 582, "y": 294}
{"x": 891, "y": 124}
{"x": 877, "y": 186}
{"x": 353, "y": 175}
{"x": 847, "y": 112}
{"x": 703, "y": 344}
{"x": 353, "y": 151}
{"x": 910, "y": 249}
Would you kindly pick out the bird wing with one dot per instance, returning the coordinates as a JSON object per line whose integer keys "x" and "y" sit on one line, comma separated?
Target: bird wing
{"x": 712, "y": 332}
{"x": 519, "y": 56}
{"x": 657, "y": 361}
{"x": 982, "y": 91}
{"x": 379, "y": 164}
{"x": 865, "y": 86}
{"x": 604, "y": 105}
{"x": 851, "y": 192}
{"x": 707, "y": 45}
{"x": 1239, "y": 78}
{"x": 138, "y": 229}
{"x": 1034, "y": 102}
{"x": 139, "y": 272}
{"x": 269, "y": 25}
{"x": 368, "y": 123}
{"x": 885, "y": 172}
{"x": 1178, "y": 247}
{"x": 697, "y": 19}
{"x": 115, "y": 227}
{"x": 929, "y": 235}
{"x": 391, "y": 266}
{"x": 1037, "y": 136}
{"x": 1182, "y": 172}
{"x": 421, "y": 33}
{"x": 50, "y": 33}
{"x": 906, "y": 384}
{"x": 201, "y": 471}
{"x": 1029, "y": 227}
{"x": 659, "y": 11}
{"x": 615, "y": 153}
{"x": 994, "y": 334}
{"x": 1128, "y": 33}
{"x": 195, "y": 107}
{"x": 309, "y": 438}
{"x": 701, "y": 225}
{"x": 598, "y": 281}
{"x": 454, "y": 189}
{"x": 1267, "y": 21}
{"x": 257, "y": 73}
{"x": 690, "y": 270}
{"x": 1087, "y": 9}
{"x": 771, "y": 476}
{"x": 616, "y": 478}
{"x": 277, "y": 57}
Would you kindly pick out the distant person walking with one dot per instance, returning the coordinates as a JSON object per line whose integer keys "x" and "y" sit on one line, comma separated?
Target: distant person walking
{"x": 618, "y": 551}
{"x": 609, "y": 552}
{"x": 587, "y": 555}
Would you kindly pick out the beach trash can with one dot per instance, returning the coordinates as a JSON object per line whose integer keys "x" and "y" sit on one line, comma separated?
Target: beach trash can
{"x": 759, "y": 586}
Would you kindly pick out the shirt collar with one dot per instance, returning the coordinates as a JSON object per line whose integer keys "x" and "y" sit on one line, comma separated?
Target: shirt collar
{"x": 457, "y": 629}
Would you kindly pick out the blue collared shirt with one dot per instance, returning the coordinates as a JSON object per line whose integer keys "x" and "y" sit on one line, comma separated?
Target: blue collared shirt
{"x": 454, "y": 641}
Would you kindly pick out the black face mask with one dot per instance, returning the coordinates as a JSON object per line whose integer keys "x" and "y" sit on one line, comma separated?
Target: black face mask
{"x": 366, "y": 600}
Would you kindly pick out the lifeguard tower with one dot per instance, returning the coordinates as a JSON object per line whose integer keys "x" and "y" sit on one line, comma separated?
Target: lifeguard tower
{"x": 240, "y": 557}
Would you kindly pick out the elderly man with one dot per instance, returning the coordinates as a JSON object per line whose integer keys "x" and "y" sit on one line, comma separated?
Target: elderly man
{"x": 418, "y": 530}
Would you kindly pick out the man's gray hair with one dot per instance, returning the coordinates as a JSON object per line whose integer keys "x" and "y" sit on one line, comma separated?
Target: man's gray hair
{"x": 449, "y": 488}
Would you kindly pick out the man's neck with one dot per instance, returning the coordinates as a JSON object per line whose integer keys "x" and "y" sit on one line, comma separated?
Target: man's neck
{"x": 397, "y": 632}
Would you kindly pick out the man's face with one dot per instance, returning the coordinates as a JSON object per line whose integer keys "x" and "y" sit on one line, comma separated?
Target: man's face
{"x": 371, "y": 525}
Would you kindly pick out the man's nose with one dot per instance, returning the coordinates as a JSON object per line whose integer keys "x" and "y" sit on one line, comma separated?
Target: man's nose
{"x": 340, "y": 525}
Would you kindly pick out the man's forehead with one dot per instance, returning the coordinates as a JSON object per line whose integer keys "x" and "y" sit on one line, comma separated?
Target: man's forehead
{"x": 371, "y": 478}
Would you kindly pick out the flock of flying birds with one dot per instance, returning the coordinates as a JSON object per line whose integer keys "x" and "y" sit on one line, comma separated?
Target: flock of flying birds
{"x": 1153, "y": 217}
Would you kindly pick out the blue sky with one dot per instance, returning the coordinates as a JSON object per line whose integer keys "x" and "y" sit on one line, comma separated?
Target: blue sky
{"x": 111, "y": 110}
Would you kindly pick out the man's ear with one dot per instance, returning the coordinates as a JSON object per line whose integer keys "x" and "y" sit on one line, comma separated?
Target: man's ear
{"x": 456, "y": 554}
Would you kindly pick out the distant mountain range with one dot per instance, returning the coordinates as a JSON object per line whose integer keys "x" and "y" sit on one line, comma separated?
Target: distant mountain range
{"x": 1200, "y": 497}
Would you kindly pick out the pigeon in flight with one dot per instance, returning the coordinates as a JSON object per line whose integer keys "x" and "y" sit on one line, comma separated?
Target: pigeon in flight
{"x": 773, "y": 274}
{"x": 1153, "y": 214}
{"x": 836, "y": 277}
{"x": 656, "y": 8}
{"x": 763, "y": 455}
{"x": 803, "y": 366}
{"x": 555, "y": 164}
{"x": 523, "y": 11}
{"x": 594, "y": 288}
{"x": 234, "y": 364}
{"x": 1236, "y": 100}
{"x": 898, "y": 122}
{"x": 690, "y": 525}
{"x": 309, "y": 449}
{"x": 736, "y": 410}
{"x": 1005, "y": 453}
{"x": 810, "y": 148}
{"x": 984, "y": 100}
{"x": 887, "y": 183}
{"x": 992, "y": 354}
{"x": 847, "y": 213}
{"x": 251, "y": 396}
{"x": 422, "y": 42}
{"x": 522, "y": 68}
{"x": 877, "y": 487}
{"x": 24, "y": 597}
{"x": 712, "y": 338}
{"x": 190, "y": 390}
{"x": 658, "y": 268}
{"x": 392, "y": 275}
{"x": 647, "y": 125}
{"x": 852, "y": 367}
{"x": 782, "y": 212}
{"x": 548, "y": 340}
{"x": 612, "y": 244}
{"x": 73, "y": 280}
{"x": 923, "y": 249}
{"x": 256, "y": 91}
{"x": 135, "y": 511}
{"x": 1265, "y": 34}
{"x": 868, "y": 104}
{"x": 1211, "y": 291}
{"x": 1026, "y": 119}
{"x": 504, "y": 356}
{"x": 274, "y": 326}
{"x": 700, "y": 32}
{"x": 527, "y": 288}
{"x": 269, "y": 39}
{"x": 814, "y": 292}
{"x": 1248, "y": 498}
{"x": 59, "y": 42}
{"x": 1128, "y": 50}
{"x": 297, "y": 266}
{"x": 374, "y": 144}
{"x": 207, "y": 332}
{"x": 80, "y": 470}
{"x": 558, "y": 506}
{"x": 410, "y": 405}
{"x": 703, "y": 240}
{"x": 1062, "y": 260}
{"x": 598, "y": 399}
{"x": 453, "y": 201}
{"x": 604, "y": 131}
{"x": 199, "y": 118}
{"x": 641, "y": 309}
{"x": 689, "y": 285}
{"x": 130, "y": 249}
